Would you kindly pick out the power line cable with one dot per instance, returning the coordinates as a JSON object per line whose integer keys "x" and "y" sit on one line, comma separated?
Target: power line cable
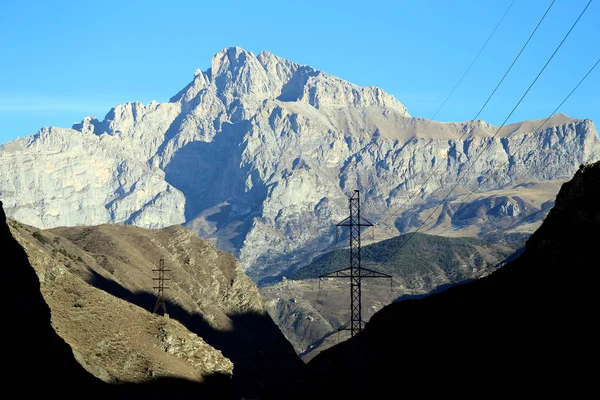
{"x": 515, "y": 60}
{"x": 523, "y": 143}
{"x": 539, "y": 128}
{"x": 524, "y": 218}
{"x": 410, "y": 198}
{"x": 499, "y": 128}
{"x": 470, "y": 65}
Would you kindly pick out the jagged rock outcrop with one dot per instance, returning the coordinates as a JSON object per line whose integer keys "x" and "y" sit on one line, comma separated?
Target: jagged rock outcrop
{"x": 256, "y": 154}
{"x": 527, "y": 328}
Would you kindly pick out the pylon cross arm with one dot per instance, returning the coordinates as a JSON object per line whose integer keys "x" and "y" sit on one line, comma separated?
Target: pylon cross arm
{"x": 362, "y": 222}
{"x": 369, "y": 273}
{"x": 340, "y": 273}
{"x": 344, "y": 222}
{"x": 362, "y": 273}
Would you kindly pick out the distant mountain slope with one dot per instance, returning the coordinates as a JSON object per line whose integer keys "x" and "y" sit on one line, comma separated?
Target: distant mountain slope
{"x": 306, "y": 309}
{"x": 257, "y": 153}
{"x": 526, "y": 329}
{"x": 425, "y": 261}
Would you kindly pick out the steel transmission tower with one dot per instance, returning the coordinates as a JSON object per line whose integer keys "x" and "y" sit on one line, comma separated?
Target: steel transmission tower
{"x": 160, "y": 300}
{"x": 355, "y": 271}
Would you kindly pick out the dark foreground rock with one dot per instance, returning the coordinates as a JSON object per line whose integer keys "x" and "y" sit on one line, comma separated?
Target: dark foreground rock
{"x": 528, "y": 329}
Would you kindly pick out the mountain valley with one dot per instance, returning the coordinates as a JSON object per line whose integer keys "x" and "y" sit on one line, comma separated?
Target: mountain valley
{"x": 237, "y": 183}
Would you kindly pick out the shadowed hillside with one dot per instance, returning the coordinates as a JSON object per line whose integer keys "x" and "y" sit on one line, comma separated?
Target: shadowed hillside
{"x": 109, "y": 330}
{"x": 528, "y": 329}
{"x": 38, "y": 361}
{"x": 307, "y": 309}
{"x": 425, "y": 260}
{"x": 34, "y": 352}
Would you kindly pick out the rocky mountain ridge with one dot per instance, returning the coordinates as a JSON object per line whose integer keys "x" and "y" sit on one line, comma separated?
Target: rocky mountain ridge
{"x": 257, "y": 154}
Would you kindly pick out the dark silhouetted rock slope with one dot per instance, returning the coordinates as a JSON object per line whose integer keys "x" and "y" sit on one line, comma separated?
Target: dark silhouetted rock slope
{"x": 96, "y": 282}
{"x": 35, "y": 358}
{"x": 528, "y": 329}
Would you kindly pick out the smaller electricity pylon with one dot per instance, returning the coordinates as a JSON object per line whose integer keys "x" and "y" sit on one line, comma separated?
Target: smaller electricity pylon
{"x": 160, "y": 300}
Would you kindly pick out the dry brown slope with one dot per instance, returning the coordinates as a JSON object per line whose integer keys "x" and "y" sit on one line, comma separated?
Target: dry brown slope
{"x": 479, "y": 214}
{"x": 113, "y": 339}
{"x": 208, "y": 292}
{"x": 202, "y": 277}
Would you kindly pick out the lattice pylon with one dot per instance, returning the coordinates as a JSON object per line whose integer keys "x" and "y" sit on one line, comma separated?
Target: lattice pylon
{"x": 355, "y": 271}
{"x": 160, "y": 299}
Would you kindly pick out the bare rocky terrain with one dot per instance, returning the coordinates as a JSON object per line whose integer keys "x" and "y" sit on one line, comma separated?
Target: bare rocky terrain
{"x": 309, "y": 312}
{"x": 257, "y": 154}
{"x": 241, "y": 177}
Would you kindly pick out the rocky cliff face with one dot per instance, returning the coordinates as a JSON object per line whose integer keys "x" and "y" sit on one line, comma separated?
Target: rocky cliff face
{"x": 256, "y": 154}
{"x": 59, "y": 177}
{"x": 527, "y": 328}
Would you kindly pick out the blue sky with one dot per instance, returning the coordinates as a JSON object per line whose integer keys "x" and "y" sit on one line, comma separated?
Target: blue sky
{"x": 63, "y": 60}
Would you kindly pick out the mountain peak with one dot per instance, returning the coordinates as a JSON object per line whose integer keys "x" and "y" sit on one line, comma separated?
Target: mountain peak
{"x": 231, "y": 51}
{"x": 230, "y": 58}
{"x": 242, "y": 81}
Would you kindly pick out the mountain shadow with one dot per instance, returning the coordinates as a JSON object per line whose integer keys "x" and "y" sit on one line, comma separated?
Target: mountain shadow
{"x": 528, "y": 329}
{"x": 198, "y": 166}
{"x": 38, "y": 362}
{"x": 260, "y": 353}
